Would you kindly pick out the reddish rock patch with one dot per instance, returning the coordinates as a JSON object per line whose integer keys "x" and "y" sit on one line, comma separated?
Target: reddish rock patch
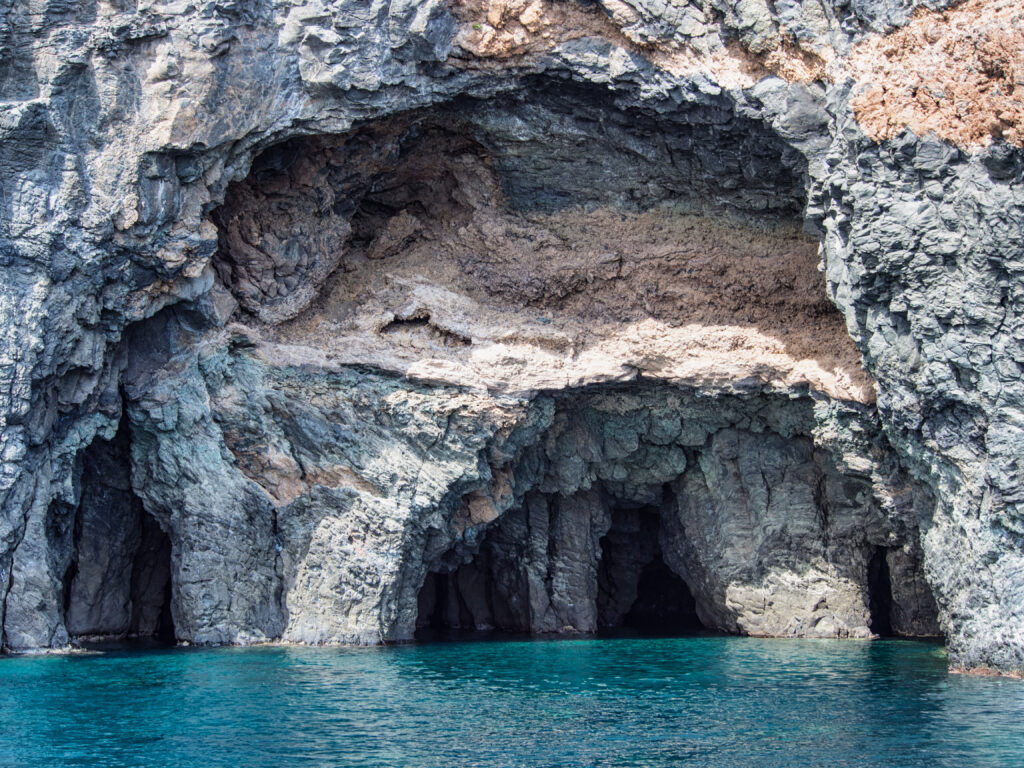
{"x": 957, "y": 73}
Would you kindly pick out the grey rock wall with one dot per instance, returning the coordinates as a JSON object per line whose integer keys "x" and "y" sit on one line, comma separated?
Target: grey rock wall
{"x": 746, "y": 501}
{"x": 922, "y": 250}
{"x": 309, "y": 502}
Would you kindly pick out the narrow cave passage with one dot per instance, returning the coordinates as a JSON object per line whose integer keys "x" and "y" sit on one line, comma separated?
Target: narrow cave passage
{"x": 664, "y": 604}
{"x": 151, "y": 586}
{"x": 880, "y": 602}
{"x": 118, "y": 584}
{"x": 464, "y": 600}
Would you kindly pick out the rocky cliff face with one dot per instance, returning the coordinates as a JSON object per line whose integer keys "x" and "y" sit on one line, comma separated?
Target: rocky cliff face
{"x": 335, "y": 321}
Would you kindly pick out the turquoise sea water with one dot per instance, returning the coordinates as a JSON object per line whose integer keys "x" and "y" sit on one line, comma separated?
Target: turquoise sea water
{"x": 702, "y": 701}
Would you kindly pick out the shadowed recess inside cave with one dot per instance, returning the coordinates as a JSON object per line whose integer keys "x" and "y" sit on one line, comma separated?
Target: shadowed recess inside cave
{"x": 637, "y": 590}
{"x": 118, "y": 584}
{"x": 552, "y": 220}
{"x": 623, "y": 586}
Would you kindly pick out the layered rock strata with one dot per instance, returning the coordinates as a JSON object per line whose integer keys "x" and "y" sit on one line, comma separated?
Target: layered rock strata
{"x": 329, "y": 321}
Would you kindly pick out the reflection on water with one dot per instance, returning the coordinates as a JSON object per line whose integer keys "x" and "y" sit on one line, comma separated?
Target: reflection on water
{"x": 715, "y": 701}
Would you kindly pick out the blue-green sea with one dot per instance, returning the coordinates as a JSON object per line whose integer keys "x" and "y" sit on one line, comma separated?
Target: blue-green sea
{"x": 699, "y": 701}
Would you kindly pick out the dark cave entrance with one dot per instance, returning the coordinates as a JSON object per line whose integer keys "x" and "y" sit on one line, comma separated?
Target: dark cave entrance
{"x": 430, "y": 614}
{"x": 467, "y": 600}
{"x": 880, "y": 602}
{"x": 440, "y": 608}
{"x": 118, "y": 584}
{"x": 637, "y": 591}
{"x": 151, "y": 586}
{"x": 561, "y": 566}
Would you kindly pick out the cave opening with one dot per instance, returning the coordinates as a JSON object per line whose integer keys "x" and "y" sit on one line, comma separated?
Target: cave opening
{"x": 466, "y": 600}
{"x": 640, "y": 512}
{"x": 442, "y": 611}
{"x": 433, "y": 596}
{"x": 575, "y": 565}
{"x": 637, "y": 591}
{"x": 664, "y": 603}
{"x": 151, "y": 586}
{"x": 537, "y": 226}
{"x": 880, "y": 601}
{"x": 118, "y": 583}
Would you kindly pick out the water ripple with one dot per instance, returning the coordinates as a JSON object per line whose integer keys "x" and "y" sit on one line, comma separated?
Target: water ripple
{"x": 706, "y": 701}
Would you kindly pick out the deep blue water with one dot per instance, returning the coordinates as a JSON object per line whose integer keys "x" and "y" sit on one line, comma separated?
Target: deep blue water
{"x": 720, "y": 701}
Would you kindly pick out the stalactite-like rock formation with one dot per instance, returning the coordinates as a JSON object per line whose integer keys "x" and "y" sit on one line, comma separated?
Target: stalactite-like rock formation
{"x": 331, "y": 322}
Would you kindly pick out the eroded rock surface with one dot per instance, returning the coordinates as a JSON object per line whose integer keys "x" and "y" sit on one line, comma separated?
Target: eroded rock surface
{"x": 740, "y": 503}
{"x": 516, "y": 269}
{"x": 327, "y": 321}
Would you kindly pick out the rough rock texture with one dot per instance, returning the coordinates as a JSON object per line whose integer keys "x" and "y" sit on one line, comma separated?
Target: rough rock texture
{"x": 954, "y": 73}
{"x": 316, "y": 310}
{"x": 432, "y": 281}
{"x": 929, "y": 243}
{"x": 753, "y": 507}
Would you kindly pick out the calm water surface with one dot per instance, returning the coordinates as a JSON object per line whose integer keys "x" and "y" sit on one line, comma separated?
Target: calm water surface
{"x": 706, "y": 701}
